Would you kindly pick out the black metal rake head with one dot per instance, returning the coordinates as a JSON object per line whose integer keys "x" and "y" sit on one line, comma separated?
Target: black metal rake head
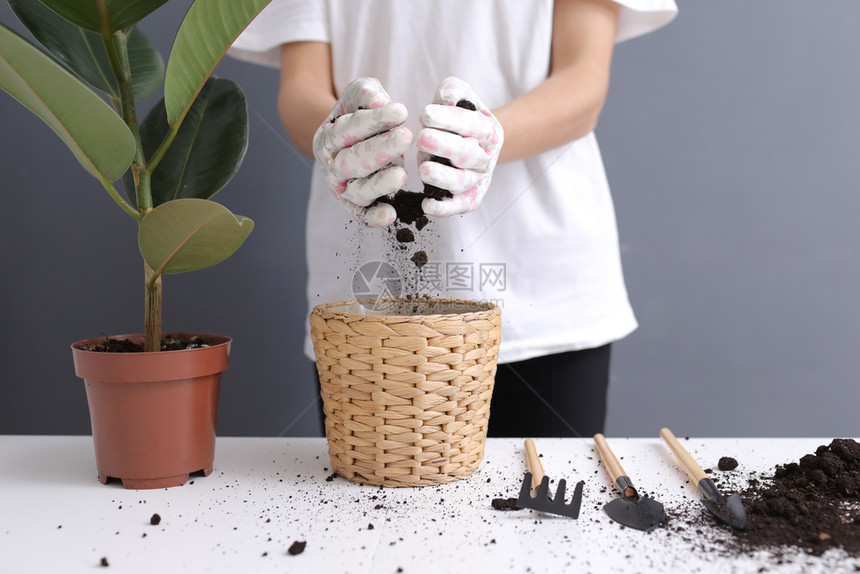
{"x": 545, "y": 503}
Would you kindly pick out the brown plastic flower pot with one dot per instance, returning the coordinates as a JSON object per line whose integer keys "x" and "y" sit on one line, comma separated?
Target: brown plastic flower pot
{"x": 153, "y": 414}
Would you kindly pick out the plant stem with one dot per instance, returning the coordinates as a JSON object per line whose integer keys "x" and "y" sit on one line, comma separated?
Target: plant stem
{"x": 121, "y": 201}
{"x": 152, "y": 333}
{"x": 116, "y": 45}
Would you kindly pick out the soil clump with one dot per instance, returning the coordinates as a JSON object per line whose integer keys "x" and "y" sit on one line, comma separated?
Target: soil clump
{"x": 407, "y": 204}
{"x": 505, "y": 504}
{"x": 296, "y": 548}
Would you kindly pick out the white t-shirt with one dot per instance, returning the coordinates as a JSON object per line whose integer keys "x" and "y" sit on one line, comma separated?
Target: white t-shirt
{"x": 543, "y": 244}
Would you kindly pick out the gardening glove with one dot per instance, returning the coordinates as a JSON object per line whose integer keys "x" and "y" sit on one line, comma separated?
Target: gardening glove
{"x": 356, "y": 149}
{"x": 469, "y": 139}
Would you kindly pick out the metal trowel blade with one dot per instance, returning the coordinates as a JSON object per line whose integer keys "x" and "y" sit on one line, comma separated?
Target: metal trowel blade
{"x": 642, "y": 514}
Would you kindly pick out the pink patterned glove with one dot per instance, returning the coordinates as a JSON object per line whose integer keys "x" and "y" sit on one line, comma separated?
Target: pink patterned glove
{"x": 356, "y": 149}
{"x": 469, "y": 140}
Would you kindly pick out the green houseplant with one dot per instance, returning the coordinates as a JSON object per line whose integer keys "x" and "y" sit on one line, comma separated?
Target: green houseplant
{"x": 85, "y": 86}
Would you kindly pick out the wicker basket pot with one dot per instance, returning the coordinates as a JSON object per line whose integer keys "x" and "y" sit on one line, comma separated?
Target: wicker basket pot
{"x": 406, "y": 386}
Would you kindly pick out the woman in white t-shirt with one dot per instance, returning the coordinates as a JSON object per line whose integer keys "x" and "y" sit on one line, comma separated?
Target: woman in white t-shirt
{"x": 540, "y": 240}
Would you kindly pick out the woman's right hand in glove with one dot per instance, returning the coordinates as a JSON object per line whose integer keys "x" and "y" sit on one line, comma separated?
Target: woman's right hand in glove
{"x": 358, "y": 148}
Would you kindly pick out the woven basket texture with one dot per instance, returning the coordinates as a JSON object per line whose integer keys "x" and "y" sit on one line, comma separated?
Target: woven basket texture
{"x": 406, "y": 397}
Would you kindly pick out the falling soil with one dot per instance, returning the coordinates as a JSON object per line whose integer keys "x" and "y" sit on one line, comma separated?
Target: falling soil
{"x": 178, "y": 343}
{"x": 405, "y": 235}
{"x": 813, "y": 505}
{"x": 410, "y": 213}
{"x": 419, "y": 259}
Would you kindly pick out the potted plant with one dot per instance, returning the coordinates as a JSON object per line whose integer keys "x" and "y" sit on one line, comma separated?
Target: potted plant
{"x": 152, "y": 412}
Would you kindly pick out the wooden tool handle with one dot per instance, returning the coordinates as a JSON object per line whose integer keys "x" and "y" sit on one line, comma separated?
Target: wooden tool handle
{"x": 612, "y": 464}
{"x": 533, "y": 462}
{"x": 688, "y": 462}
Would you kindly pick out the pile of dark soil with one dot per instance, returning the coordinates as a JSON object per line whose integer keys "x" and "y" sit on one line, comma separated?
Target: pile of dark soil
{"x": 178, "y": 343}
{"x": 813, "y": 505}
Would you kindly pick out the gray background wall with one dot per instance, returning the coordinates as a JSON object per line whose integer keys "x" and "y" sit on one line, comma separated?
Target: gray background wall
{"x": 730, "y": 139}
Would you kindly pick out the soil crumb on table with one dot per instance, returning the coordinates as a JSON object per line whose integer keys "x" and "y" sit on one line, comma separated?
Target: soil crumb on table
{"x": 505, "y": 504}
{"x": 297, "y": 548}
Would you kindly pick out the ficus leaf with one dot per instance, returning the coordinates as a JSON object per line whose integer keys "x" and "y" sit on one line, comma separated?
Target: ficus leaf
{"x": 208, "y": 149}
{"x": 207, "y": 31}
{"x": 190, "y": 234}
{"x": 106, "y": 16}
{"x": 82, "y": 52}
{"x": 97, "y": 136}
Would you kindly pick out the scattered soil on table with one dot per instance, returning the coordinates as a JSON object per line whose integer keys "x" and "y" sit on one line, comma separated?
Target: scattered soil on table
{"x": 297, "y": 548}
{"x": 155, "y": 519}
{"x": 104, "y": 562}
{"x": 727, "y": 463}
{"x": 813, "y": 505}
{"x": 179, "y": 343}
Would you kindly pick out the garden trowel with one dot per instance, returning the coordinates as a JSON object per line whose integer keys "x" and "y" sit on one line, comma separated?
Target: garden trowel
{"x": 729, "y": 509}
{"x": 641, "y": 513}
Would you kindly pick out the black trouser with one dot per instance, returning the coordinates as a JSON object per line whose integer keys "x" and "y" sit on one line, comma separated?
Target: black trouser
{"x": 559, "y": 395}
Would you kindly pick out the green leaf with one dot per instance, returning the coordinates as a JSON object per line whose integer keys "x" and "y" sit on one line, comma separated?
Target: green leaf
{"x": 83, "y": 52}
{"x": 190, "y": 234}
{"x": 208, "y": 30}
{"x": 106, "y": 16}
{"x": 207, "y": 150}
{"x": 98, "y": 137}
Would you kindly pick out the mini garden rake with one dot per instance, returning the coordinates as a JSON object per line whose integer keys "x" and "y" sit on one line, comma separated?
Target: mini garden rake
{"x": 542, "y": 500}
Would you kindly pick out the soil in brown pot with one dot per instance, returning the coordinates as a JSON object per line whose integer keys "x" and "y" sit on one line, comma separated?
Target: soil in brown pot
{"x": 177, "y": 343}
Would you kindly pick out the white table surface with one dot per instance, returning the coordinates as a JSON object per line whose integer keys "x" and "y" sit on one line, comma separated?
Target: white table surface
{"x": 266, "y": 493}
